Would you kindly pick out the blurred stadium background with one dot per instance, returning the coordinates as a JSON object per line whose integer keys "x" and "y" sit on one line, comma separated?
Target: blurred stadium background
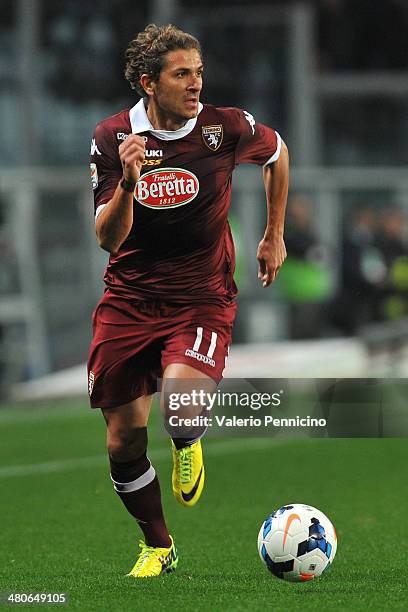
{"x": 331, "y": 76}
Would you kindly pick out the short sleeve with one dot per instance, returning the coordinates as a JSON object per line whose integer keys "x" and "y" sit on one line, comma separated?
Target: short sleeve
{"x": 105, "y": 166}
{"x": 257, "y": 143}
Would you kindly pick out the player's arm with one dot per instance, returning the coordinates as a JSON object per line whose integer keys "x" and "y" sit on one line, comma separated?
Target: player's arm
{"x": 114, "y": 222}
{"x": 271, "y": 250}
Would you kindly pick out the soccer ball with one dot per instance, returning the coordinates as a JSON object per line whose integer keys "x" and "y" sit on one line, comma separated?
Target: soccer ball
{"x": 297, "y": 542}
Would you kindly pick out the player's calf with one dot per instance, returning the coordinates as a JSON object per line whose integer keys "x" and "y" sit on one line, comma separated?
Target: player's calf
{"x": 135, "y": 481}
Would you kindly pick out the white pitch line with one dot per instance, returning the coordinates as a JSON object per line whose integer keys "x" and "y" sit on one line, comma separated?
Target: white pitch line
{"x": 63, "y": 465}
{"x": 48, "y": 467}
{"x": 17, "y": 416}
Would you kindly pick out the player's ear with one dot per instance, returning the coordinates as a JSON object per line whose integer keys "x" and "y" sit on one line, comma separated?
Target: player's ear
{"x": 147, "y": 83}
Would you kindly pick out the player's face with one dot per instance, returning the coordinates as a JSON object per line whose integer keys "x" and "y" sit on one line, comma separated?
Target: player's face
{"x": 178, "y": 89}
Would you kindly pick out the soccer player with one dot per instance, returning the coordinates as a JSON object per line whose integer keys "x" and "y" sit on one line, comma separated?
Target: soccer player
{"x": 161, "y": 175}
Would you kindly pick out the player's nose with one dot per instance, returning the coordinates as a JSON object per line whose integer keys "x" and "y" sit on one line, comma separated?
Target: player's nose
{"x": 194, "y": 84}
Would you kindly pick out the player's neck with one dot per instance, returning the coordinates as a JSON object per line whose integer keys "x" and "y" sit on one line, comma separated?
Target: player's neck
{"x": 161, "y": 120}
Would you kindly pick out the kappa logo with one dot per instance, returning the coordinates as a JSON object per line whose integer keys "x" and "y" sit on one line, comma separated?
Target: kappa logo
{"x": 200, "y": 357}
{"x": 123, "y": 136}
{"x": 94, "y": 148}
{"x": 91, "y": 381}
{"x": 212, "y": 136}
{"x": 251, "y": 121}
{"x": 94, "y": 176}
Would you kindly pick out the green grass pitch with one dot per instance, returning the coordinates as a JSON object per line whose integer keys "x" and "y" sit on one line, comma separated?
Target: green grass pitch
{"x": 64, "y": 530}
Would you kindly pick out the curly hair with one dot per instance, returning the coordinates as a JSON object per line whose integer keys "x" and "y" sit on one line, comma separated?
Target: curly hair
{"x": 145, "y": 53}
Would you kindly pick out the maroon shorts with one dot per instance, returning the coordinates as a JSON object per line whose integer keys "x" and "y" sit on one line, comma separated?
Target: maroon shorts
{"x": 134, "y": 341}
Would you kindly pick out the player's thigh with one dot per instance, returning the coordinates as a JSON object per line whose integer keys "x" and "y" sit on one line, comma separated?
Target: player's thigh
{"x": 187, "y": 388}
{"x": 133, "y": 414}
{"x": 126, "y": 425}
{"x": 183, "y": 371}
{"x": 125, "y": 355}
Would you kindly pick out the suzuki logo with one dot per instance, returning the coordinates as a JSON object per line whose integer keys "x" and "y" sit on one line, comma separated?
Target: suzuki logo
{"x": 153, "y": 153}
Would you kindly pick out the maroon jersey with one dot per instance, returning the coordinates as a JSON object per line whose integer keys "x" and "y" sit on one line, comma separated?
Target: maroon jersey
{"x": 180, "y": 247}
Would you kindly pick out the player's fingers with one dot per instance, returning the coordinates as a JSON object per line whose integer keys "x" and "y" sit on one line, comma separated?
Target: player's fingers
{"x": 130, "y": 145}
{"x": 266, "y": 280}
{"x": 135, "y": 148}
{"x": 261, "y": 267}
{"x": 274, "y": 274}
{"x": 132, "y": 156}
{"x": 135, "y": 157}
{"x": 127, "y": 144}
{"x": 133, "y": 138}
{"x": 270, "y": 276}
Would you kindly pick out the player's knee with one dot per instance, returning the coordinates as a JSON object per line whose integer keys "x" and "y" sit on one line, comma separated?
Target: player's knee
{"x": 126, "y": 444}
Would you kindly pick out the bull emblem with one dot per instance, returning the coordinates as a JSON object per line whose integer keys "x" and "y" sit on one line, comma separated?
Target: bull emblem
{"x": 212, "y": 136}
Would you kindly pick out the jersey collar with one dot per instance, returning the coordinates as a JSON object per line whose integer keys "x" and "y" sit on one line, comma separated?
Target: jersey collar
{"x": 140, "y": 123}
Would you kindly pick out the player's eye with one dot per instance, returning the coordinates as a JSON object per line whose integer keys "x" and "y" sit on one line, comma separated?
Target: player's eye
{"x": 181, "y": 73}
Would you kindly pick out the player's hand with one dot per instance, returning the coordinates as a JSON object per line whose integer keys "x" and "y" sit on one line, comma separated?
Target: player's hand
{"x": 131, "y": 153}
{"x": 271, "y": 255}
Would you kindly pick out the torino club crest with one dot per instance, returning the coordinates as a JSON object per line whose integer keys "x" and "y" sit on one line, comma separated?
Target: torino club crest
{"x": 212, "y": 136}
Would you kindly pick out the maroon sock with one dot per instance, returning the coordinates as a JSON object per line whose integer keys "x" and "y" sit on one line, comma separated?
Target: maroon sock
{"x": 138, "y": 487}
